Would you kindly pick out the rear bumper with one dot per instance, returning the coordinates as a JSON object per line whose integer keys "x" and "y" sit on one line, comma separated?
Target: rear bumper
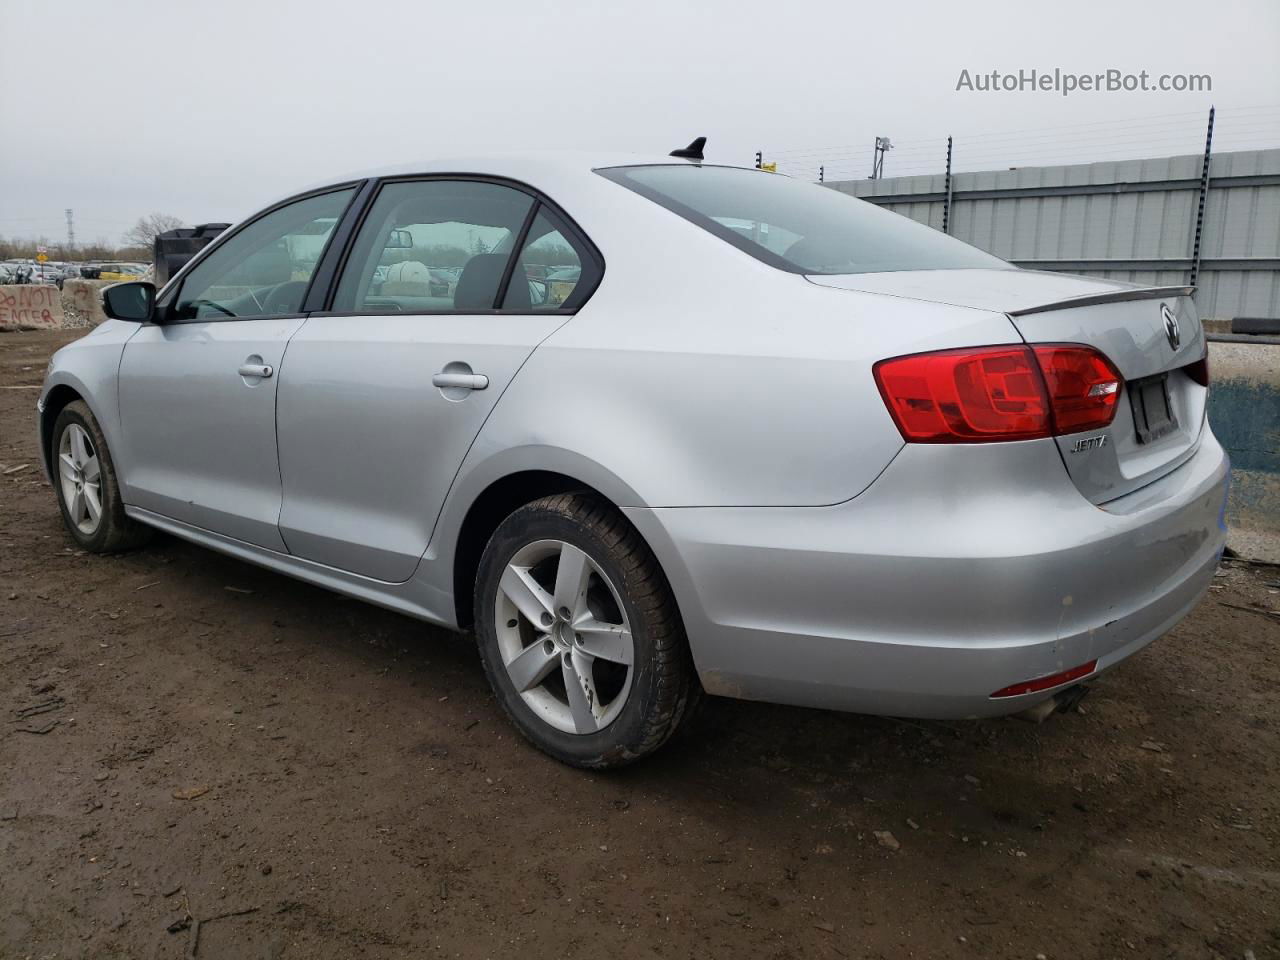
{"x": 957, "y": 573}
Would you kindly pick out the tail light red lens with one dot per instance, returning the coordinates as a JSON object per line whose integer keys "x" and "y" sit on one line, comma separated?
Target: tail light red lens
{"x": 988, "y": 394}
{"x": 1083, "y": 387}
{"x": 994, "y": 393}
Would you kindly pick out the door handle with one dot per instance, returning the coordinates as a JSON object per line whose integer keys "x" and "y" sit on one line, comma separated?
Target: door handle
{"x": 467, "y": 381}
{"x": 255, "y": 370}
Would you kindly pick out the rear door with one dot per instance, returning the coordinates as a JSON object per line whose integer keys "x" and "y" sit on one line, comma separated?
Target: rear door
{"x": 383, "y": 394}
{"x": 198, "y": 392}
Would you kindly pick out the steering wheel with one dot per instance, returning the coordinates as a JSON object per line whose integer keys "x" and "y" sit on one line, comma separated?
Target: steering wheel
{"x": 197, "y": 304}
{"x": 282, "y": 298}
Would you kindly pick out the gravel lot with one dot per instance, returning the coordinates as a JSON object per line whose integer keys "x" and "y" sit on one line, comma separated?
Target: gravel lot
{"x": 188, "y": 738}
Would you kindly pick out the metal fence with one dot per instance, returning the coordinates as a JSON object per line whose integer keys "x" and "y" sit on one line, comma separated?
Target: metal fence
{"x": 1136, "y": 220}
{"x": 1178, "y": 198}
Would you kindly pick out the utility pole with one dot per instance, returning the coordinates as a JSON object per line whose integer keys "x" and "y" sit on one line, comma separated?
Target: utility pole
{"x": 71, "y": 230}
{"x": 1204, "y": 192}
{"x": 883, "y": 146}
{"x": 946, "y": 202}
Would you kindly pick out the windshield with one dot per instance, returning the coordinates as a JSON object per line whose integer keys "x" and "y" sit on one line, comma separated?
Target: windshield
{"x": 796, "y": 226}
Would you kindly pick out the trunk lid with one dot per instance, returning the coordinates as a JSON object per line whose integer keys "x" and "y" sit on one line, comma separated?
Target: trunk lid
{"x": 1151, "y": 335}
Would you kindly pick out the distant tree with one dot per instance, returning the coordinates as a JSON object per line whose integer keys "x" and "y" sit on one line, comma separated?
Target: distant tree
{"x": 143, "y": 233}
{"x": 440, "y": 255}
{"x": 550, "y": 254}
{"x": 98, "y": 249}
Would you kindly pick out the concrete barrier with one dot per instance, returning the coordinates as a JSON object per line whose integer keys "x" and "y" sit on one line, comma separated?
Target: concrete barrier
{"x": 30, "y": 306}
{"x": 1244, "y": 411}
{"x": 82, "y": 302}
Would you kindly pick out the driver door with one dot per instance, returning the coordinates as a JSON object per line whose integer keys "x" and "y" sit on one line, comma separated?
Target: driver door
{"x": 198, "y": 391}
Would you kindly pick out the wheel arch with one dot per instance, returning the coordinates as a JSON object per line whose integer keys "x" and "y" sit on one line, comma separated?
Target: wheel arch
{"x": 494, "y": 504}
{"x": 55, "y": 401}
{"x": 493, "y": 487}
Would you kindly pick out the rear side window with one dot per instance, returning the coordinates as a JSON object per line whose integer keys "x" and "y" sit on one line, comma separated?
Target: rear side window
{"x": 433, "y": 246}
{"x": 795, "y": 226}
{"x": 558, "y": 273}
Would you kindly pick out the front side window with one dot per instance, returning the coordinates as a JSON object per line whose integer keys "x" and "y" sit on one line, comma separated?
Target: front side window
{"x": 433, "y": 246}
{"x": 795, "y": 226}
{"x": 264, "y": 269}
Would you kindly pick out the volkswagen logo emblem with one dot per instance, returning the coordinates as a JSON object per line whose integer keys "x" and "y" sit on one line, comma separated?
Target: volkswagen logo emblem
{"x": 1170, "y": 326}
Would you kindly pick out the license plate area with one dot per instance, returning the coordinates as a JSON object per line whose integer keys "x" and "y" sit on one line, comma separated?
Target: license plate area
{"x": 1153, "y": 415}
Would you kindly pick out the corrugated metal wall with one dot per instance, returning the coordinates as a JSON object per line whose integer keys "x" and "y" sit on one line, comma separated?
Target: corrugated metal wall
{"x": 1125, "y": 220}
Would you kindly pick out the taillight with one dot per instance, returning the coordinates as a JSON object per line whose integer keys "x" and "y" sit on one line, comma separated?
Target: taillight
{"x": 987, "y": 394}
{"x": 1199, "y": 371}
{"x": 1083, "y": 387}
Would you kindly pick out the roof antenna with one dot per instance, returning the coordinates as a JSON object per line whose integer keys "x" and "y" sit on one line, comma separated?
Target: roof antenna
{"x": 693, "y": 151}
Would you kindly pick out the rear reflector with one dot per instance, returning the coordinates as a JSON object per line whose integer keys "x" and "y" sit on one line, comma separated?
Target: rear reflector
{"x": 1045, "y": 683}
{"x": 988, "y": 394}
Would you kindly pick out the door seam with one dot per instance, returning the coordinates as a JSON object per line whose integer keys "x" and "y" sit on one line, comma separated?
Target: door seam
{"x": 435, "y": 524}
{"x": 275, "y": 418}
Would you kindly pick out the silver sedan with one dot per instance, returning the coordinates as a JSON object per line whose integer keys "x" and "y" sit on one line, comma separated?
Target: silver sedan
{"x": 655, "y": 428}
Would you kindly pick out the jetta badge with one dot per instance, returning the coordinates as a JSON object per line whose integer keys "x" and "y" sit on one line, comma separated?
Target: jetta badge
{"x": 1170, "y": 326}
{"x": 1089, "y": 443}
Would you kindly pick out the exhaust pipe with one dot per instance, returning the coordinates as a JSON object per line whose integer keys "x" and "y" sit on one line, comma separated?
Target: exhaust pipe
{"x": 1061, "y": 702}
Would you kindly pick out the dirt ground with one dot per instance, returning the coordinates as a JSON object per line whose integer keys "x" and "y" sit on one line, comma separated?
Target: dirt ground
{"x": 189, "y": 738}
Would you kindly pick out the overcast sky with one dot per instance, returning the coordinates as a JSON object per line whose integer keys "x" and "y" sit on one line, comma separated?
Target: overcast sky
{"x": 210, "y": 110}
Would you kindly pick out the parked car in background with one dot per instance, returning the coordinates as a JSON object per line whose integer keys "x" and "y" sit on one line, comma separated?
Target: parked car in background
{"x": 52, "y": 272}
{"x": 121, "y": 271}
{"x": 840, "y": 460}
{"x": 443, "y": 281}
{"x": 26, "y": 271}
{"x": 561, "y": 281}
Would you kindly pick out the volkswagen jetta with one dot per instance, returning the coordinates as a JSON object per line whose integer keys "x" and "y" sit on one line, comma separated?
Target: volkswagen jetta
{"x": 659, "y": 427}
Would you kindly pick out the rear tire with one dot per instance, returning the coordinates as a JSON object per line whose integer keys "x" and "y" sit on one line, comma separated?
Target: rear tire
{"x": 580, "y": 635}
{"x": 88, "y": 492}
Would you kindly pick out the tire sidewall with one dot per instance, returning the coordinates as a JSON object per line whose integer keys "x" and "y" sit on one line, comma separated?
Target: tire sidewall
{"x": 620, "y": 740}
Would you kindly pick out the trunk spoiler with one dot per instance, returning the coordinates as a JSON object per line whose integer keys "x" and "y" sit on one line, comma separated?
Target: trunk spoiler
{"x": 1118, "y": 296}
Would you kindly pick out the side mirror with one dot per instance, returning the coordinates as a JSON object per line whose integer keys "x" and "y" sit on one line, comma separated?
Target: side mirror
{"x": 134, "y": 301}
{"x": 399, "y": 240}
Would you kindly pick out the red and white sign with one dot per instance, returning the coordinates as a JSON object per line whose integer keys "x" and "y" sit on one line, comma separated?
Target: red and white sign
{"x": 30, "y": 306}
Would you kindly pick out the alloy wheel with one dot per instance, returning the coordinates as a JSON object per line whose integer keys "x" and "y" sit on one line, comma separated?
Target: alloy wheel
{"x": 564, "y": 636}
{"x": 80, "y": 475}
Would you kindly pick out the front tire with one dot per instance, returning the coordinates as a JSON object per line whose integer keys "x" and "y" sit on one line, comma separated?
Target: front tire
{"x": 84, "y": 478}
{"x": 580, "y": 635}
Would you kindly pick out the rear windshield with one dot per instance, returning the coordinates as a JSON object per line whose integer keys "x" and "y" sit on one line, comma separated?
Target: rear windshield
{"x": 796, "y": 226}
